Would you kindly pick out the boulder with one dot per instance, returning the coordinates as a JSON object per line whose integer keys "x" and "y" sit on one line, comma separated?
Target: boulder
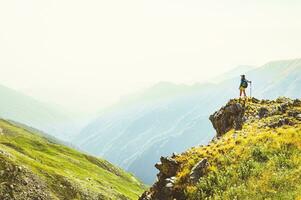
{"x": 293, "y": 113}
{"x": 254, "y": 100}
{"x": 284, "y": 100}
{"x": 171, "y": 180}
{"x": 169, "y": 185}
{"x": 298, "y": 117}
{"x": 263, "y": 112}
{"x": 168, "y": 167}
{"x": 297, "y": 102}
{"x": 283, "y": 107}
{"x": 198, "y": 170}
{"x": 146, "y": 196}
{"x": 280, "y": 122}
{"x": 227, "y": 118}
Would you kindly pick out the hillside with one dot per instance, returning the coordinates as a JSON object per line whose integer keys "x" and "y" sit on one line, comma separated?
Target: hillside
{"x": 35, "y": 167}
{"x": 139, "y": 128}
{"x": 48, "y": 118}
{"x": 256, "y": 154}
{"x": 169, "y": 118}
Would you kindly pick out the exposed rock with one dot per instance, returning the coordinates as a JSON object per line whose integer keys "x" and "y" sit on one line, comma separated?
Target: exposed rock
{"x": 293, "y": 113}
{"x": 254, "y": 100}
{"x": 167, "y": 167}
{"x": 283, "y": 107}
{"x": 298, "y": 117}
{"x": 198, "y": 170}
{"x": 20, "y": 183}
{"x": 164, "y": 187}
{"x": 228, "y": 117}
{"x": 284, "y": 100}
{"x": 280, "y": 122}
{"x": 171, "y": 180}
{"x": 263, "y": 101}
{"x": 174, "y": 154}
{"x": 263, "y": 112}
{"x": 169, "y": 185}
{"x": 146, "y": 196}
{"x": 280, "y": 112}
{"x": 297, "y": 102}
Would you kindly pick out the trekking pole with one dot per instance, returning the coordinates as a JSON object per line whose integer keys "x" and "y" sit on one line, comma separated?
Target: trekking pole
{"x": 250, "y": 89}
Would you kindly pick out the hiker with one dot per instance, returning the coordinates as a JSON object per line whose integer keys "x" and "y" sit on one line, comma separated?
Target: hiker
{"x": 243, "y": 85}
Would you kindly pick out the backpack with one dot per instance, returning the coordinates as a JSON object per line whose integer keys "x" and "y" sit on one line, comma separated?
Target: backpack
{"x": 244, "y": 84}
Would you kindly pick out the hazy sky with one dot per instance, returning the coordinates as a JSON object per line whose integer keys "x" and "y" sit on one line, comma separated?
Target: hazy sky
{"x": 86, "y": 53}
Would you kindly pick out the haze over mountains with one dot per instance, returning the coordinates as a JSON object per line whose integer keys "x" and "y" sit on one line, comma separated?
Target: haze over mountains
{"x": 49, "y": 118}
{"x": 170, "y": 118}
{"x": 163, "y": 119}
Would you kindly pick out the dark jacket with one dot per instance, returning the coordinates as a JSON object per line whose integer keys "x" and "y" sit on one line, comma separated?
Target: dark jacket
{"x": 244, "y": 82}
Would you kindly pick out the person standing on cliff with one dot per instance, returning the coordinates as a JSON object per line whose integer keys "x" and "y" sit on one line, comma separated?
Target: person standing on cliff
{"x": 243, "y": 86}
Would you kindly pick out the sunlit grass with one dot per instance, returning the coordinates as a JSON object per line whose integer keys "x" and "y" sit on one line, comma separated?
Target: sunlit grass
{"x": 58, "y": 165}
{"x": 256, "y": 162}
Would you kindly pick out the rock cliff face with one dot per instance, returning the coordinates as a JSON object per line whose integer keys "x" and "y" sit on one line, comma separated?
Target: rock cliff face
{"x": 228, "y": 117}
{"x": 168, "y": 168}
{"x": 180, "y": 172}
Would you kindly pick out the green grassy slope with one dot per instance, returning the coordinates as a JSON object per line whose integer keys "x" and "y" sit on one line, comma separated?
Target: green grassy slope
{"x": 267, "y": 166}
{"x": 31, "y": 166}
{"x": 260, "y": 161}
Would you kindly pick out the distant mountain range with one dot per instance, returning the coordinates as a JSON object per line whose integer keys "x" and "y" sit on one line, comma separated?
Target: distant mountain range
{"x": 234, "y": 73}
{"x": 170, "y": 118}
{"x": 163, "y": 119}
{"x": 48, "y": 118}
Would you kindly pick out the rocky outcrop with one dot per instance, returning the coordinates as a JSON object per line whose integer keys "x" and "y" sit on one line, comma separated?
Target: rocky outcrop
{"x": 198, "y": 170}
{"x": 168, "y": 167}
{"x": 237, "y": 112}
{"x": 280, "y": 122}
{"x": 227, "y": 118}
{"x": 263, "y": 113}
{"x": 298, "y": 117}
{"x": 164, "y": 187}
{"x": 17, "y": 182}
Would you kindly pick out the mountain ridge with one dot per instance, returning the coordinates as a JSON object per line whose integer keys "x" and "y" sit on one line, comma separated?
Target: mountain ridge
{"x": 164, "y": 125}
{"x": 254, "y": 155}
{"x": 49, "y": 118}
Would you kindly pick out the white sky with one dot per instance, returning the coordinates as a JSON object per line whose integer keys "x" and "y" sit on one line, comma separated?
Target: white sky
{"x": 84, "y": 54}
